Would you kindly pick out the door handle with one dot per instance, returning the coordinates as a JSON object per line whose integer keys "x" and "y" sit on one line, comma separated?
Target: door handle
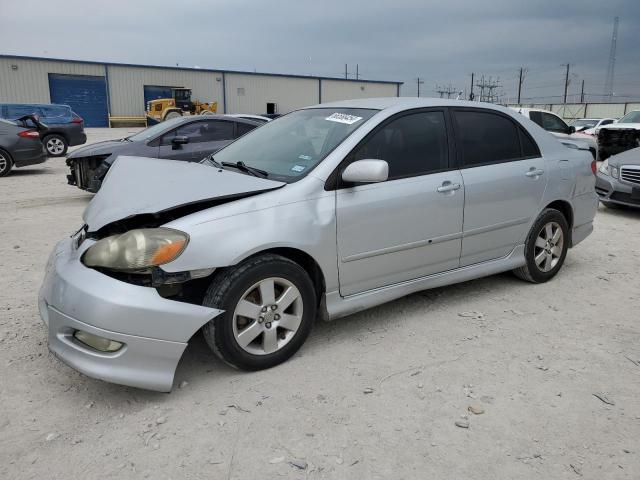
{"x": 448, "y": 187}
{"x": 534, "y": 172}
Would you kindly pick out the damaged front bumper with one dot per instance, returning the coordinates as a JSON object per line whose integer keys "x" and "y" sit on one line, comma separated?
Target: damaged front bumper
{"x": 154, "y": 331}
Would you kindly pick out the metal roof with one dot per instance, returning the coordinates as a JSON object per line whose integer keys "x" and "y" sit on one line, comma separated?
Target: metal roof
{"x": 210, "y": 70}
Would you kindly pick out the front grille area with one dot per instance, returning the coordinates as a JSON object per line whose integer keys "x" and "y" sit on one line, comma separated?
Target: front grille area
{"x": 630, "y": 175}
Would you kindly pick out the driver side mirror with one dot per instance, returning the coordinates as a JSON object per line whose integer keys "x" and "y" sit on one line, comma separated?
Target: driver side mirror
{"x": 179, "y": 140}
{"x": 572, "y": 129}
{"x": 366, "y": 171}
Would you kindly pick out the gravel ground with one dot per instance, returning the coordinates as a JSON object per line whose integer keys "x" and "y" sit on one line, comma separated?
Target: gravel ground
{"x": 374, "y": 395}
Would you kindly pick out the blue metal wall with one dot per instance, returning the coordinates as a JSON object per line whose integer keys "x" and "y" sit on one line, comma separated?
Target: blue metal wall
{"x": 153, "y": 92}
{"x": 86, "y": 95}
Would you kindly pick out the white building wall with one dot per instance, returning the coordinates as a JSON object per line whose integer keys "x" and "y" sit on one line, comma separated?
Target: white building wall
{"x": 29, "y": 82}
{"x": 251, "y": 93}
{"x": 334, "y": 90}
{"x": 126, "y": 86}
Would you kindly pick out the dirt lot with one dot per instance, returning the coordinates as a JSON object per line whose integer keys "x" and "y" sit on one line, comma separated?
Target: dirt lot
{"x": 375, "y": 395}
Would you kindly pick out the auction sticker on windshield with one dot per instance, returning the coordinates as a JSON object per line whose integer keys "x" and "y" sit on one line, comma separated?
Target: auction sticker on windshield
{"x": 343, "y": 118}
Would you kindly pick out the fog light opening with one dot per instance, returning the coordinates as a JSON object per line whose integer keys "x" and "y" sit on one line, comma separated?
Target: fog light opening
{"x": 96, "y": 342}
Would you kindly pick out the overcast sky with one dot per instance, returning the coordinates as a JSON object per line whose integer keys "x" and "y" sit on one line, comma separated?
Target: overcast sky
{"x": 441, "y": 42}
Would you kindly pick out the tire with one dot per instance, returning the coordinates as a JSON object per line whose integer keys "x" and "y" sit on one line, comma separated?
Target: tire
{"x": 206, "y": 112}
{"x": 245, "y": 282}
{"x": 611, "y": 205}
{"x": 551, "y": 255}
{"x": 6, "y": 164}
{"x": 171, "y": 115}
{"x": 56, "y": 145}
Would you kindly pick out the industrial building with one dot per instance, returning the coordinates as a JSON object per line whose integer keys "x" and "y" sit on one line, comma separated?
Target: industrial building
{"x": 99, "y": 90}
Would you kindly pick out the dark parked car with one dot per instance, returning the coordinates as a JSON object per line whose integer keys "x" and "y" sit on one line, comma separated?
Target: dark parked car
{"x": 20, "y": 144}
{"x": 64, "y": 127}
{"x": 184, "y": 138}
{"x": 618, "y": 180}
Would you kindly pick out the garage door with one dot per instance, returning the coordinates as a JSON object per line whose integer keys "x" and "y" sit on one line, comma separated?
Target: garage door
{"x": 86, "y": 95}
{"x": 153, "y": 92}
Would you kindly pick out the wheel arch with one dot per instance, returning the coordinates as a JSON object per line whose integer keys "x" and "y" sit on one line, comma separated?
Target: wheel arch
{"x": 60, "y": 133}
{"x": 566, "y": 209}
{"x": 302, "y": 258}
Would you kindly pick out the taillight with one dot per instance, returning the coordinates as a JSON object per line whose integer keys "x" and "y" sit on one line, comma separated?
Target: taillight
{"x": 594, "y": 167}
{"x": 29, "y": 134}
{"x": 77, "y": 120}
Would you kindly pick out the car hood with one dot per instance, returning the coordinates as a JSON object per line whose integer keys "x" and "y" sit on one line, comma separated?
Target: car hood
{"x": 629, "y": 157}
{"x": 100, "y": 148}
{"x": 619, "y": 126}
{"x": 152, "y": 186}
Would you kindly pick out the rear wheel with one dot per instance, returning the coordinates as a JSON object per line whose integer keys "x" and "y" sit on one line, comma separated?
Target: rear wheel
{"x": 56, "y": 145}
{"x": 545, "y": 248}
{"x": 269, "y": 305}
{"x": 5, "y": 163}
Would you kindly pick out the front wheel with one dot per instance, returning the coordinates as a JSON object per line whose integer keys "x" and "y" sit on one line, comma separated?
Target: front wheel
{"x": 269, "y": 305}
{"x": 545, "y": 248}
{"x": 56, "y": 145}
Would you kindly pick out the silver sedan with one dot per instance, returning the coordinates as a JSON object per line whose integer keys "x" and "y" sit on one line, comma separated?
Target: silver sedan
{"x": 321, "y": 213}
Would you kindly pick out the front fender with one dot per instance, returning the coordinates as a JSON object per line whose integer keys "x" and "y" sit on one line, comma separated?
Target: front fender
{"x": 306, "y": 225}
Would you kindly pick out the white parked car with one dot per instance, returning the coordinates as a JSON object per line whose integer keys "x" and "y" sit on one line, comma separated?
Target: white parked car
{"x": 591, "y": 126}
{"x": 553, "y": 124}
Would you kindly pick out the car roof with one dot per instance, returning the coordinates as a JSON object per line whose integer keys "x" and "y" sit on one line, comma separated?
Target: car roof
{"x": 36, "y": 105}
{"x": 404, "y": 103}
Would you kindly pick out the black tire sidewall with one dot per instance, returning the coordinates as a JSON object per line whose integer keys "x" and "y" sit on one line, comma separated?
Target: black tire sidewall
{"x": 46, "y": 139}
{"x": 6, "y": 171}
{"x": 219, "y": 332}
{"x": 548, "y": 215}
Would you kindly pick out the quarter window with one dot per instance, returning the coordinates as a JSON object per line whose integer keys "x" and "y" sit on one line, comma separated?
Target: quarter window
{"x": 414, "y": 144}
{"x": 243, "y": 128}
{"x": 485, "y": 137}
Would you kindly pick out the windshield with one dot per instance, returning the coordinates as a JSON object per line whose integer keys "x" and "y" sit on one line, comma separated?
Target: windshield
{"x": 585, "y": 123}
{"x": 159, "y": 128}
{"x": 292, "y": 145}
{"x": 631, "y": 117}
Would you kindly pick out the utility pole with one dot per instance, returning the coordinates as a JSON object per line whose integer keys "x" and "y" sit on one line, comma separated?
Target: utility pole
{"x": 346, "y": 74}
{"x": 357, "y": 74}
{"x": 522, "y": 70}
{"x": 582, "y": 93}
{"x": 566, "y": 84}
{"x": 420, "y": 82}
{"x": 471, "y": 95}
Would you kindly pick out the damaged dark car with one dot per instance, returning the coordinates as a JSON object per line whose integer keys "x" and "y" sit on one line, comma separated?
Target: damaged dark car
{"x": 185, "y": 138}
{"x": 620, "y": 136}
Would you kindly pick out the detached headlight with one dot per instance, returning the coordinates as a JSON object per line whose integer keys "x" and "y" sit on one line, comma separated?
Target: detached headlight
{"x": 136, "y": 250}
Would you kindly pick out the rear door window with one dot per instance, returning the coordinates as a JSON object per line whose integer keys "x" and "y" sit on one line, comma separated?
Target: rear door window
{"x": 485, "y": 137}
{"x": 553, "y": 123}
{"x": 205, "y": 131}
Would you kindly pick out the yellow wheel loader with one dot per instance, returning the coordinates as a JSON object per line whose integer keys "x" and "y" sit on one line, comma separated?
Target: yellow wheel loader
{"x": 180, "y": 104}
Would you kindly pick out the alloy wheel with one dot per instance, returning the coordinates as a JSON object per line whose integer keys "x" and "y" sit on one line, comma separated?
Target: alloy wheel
{"x": 4, "y": 163}
{"x": 548, "y": 247}
{"x": 267, "y": 316}
{"x": 55, "y": 146}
